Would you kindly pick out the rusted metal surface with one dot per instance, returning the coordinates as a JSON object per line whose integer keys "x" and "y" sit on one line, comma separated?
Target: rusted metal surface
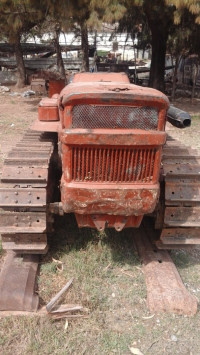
{"x": 22, "y": 197}
{"x": 183, "y": 159}
{"x": 126, "y": 200}
{"x": 45, "y": 126}
{"x": 110, "y": 93}
{"x": 26, "y": 188}
{"x": 122, "y": 137}
{"x": 111, "y": 140}
{"x": 101, "y": 221}
{"x": 17, "y": 283}
{"x": 165, "y": 289}
{"x": 181, "y": 197}
{"x": 182, "y": 192}
{"x": 25, "y": 155}
{"x": 21, "y": 174}
{"x": 161, "y": 246}
{"x": 35, "y": 146}
{"x": 182, "y": 216}
{"x": 48, "y": 109}
{"x": 112, "y": 116}
{"x": 37, "y": 161}
{"x": 122, "y": 165}
{"x": 35, "y": 243}
{"x": 87, "y": 77}
{"x": 180, "y": 236}
{"x": 22, "y": 222}
{"x": 55, "y": 86}
{"x": 183, "y": 170}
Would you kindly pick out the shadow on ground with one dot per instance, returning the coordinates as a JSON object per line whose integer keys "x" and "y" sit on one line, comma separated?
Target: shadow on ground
{"x": 68, "y": 237}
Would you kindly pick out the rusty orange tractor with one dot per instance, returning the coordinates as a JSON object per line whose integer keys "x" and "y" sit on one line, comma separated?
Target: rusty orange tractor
{"x": 115, "y": 163}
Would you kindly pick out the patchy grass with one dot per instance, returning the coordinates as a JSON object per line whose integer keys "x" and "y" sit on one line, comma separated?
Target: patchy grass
{"x": 110, "y": 283}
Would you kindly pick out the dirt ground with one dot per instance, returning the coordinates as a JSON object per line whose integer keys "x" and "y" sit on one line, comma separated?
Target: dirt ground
{"x": 108, "y": 276}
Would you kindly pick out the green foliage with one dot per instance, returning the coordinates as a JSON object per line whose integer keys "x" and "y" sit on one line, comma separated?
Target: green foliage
{"x": 18, "y": 17}
{"x": 193, "y": 7}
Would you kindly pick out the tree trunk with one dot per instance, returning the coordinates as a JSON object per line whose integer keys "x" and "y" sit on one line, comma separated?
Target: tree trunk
{"x": 85, "y": 47}
{"x": 160, "y": 17}
{"x": 174, "y": 78}
{"x": 157, "y": 70}
{"x": 21, "y": 72}
{"x": 194, "y": 79}
{"x": 60, "y": 64}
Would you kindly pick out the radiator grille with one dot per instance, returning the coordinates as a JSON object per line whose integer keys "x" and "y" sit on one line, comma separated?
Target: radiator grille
{"x": 99, "y": 116}
{"x": 125, "y": 165}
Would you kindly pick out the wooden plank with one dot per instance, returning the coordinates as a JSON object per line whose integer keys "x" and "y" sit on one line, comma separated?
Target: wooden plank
{"x": 165, "y": 289}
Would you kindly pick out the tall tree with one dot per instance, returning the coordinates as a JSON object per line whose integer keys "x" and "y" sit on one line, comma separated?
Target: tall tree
{"x": 17, "y": 18}
{"x": 160, "y": 20}
{"x": 161, "y": 15}
{"x": 59, "y": 18}
{"x": 89, "y": 14}
{"x": 183, "y": 40}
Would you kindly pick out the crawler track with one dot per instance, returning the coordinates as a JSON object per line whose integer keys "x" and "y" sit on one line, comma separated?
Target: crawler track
{"x": 179, "y": 210}
{"x": 26, "y": 188}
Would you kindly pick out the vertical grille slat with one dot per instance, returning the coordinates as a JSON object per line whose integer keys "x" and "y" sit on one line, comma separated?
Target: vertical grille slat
{"x": 119, "y": 165}
{"x": 111, "y": 165}
{"x": 90, "y": 177}
{"x": 115, "y": 165}
{"x": 127, "y": 165}
{"x": 99, "y": 164}
{"x": 147, "y": 166}
{"x": 83, "y": 164}
{"x": 95, "y": 163}
{"x": 143, "y": 165}
{"x": 87, "y": 161}
{"x": 74, "y": 164}
{"x": 103, "y": 165}
{"x": 107, "y": 164}
{"x": 135, "y": 165}
{"x": 151, "y": 163}
{"x": 124, "y": 165}
{"x": 131, "y": 166}
{"x": 79, "y": 163}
